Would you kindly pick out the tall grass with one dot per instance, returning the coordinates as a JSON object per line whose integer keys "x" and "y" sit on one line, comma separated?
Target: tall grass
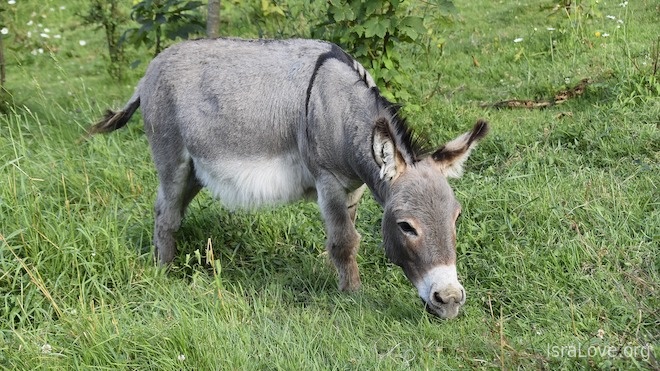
{"x": 557, "y": 245}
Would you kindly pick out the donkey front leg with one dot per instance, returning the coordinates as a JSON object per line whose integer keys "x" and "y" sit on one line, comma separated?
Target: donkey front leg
{"x": 352, "y": 201}
{"x": 338, "y": 209}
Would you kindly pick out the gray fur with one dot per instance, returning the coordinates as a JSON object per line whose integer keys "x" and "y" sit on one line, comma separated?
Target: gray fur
{"x": 263, "y": 122}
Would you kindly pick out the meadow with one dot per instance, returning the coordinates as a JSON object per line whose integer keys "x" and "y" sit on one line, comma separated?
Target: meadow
{"x": 557, "y": 243}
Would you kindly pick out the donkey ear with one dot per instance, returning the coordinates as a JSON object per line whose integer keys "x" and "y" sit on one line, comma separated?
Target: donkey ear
{"x": 385, "y": 153}
{"x": 451, "y": 156}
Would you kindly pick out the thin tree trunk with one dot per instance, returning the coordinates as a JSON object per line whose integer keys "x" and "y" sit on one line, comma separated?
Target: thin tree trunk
{"x": 213, "y": 19}
{"x": 2, "y": 64}
{"x": 157, "y": 40}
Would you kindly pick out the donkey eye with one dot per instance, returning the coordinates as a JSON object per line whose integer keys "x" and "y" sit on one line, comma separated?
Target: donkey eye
{"x": 407, "y": 228}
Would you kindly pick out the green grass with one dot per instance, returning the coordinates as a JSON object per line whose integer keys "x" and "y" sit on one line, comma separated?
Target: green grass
{"x": 557, "y": 245}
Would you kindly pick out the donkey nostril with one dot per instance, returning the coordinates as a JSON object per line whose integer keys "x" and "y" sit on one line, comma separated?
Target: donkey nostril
{"x": 438, "y": 298}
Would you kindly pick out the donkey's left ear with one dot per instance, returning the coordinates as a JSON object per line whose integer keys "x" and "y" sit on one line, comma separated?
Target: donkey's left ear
{"x": 451, "y": 156}
{"x": 386, "y": 153}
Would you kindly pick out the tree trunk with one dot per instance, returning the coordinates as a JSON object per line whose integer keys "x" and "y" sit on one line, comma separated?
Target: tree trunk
{"x": 2, "y": 64}
{"x": 213, "y": 19}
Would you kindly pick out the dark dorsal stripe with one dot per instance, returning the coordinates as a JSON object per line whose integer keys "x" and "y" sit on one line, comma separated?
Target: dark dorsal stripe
{"x": 408, "y": 141}
{"x": 412, "y": 144}
{"x": 335, "y": 52}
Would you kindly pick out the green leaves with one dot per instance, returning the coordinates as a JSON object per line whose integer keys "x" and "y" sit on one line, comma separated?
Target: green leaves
{"x": 376, "y": 26}
{"x": 108, "y": 15}
{"x": 174, "y": 18}
{"x": 372, "y": 30}
{"x": 412, "y": 27}
{"x": 340, "y": 11}
{"x": 446, "y": 6}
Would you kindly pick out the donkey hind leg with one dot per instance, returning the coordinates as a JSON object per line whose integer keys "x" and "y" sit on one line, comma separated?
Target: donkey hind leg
{"x": 178, "y": 186}
{"x": 343, "y": 239}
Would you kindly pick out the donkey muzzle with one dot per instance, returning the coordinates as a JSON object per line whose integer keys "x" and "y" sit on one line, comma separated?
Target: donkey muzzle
{"x": 441, "y": 292}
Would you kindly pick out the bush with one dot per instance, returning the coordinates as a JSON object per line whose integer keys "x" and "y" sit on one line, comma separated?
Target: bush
{"x": 107, "y": 15}
{"x": 373, "y": 31}
{"x": 170, "y": 18}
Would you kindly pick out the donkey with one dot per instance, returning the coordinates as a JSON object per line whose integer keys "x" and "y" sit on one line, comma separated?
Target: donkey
{"x": 261, "y": 122}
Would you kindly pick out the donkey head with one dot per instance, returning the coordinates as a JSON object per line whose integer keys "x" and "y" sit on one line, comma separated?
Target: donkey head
{"x": 419, "y": 220}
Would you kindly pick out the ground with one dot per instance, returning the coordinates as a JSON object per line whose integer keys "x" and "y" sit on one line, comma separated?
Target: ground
{"x": 557, "y": 243}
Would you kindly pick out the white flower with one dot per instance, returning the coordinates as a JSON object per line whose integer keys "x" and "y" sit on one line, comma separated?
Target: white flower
{"x": 181, "y": 357}
{"x": 610, "y": 17}
{"x": 41, "y": 51}
{"x": 550, "y": 28}
{"x": 46, "y": 348}
{"x": 605, "y": 34}
{"x": 30, "y": 22}
{"x": 34, "y": 52}
{"x": 623, "y": 4}
{"x": 44, "y": 35}
{"x": 517, "y": 40}
{"x": 11, "y": 2}
{"x": 62, "y": 7}
{"x": 58, "y": 36}
{"x": 4, "y": 30}
{"x": 29, "y": 34}
{"x": 82, "y": 42}
{"x": 46, "y": 30}
{"x": 619, "y": 21}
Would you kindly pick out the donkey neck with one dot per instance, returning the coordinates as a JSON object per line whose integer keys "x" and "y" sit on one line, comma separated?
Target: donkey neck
{"x": 363, "y": 161}
{"x": 366, "y": 168}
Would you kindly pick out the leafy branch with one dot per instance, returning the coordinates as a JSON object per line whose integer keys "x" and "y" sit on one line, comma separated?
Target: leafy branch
{"x": 169, "y": 18}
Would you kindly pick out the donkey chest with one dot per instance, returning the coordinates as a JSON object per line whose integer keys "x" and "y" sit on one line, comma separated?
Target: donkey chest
{"x": 252, "y": 182}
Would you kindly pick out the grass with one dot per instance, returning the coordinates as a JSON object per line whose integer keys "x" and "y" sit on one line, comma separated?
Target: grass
{"x": 558, "y": 242}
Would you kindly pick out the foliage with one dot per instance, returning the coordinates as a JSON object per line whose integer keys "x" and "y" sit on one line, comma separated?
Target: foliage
{"x": 643, "y": 83}
{"x": 107, "y": 14}
{"x": 374, "y": 32}
{"x": 169, "y": 18}
{"x": 272, "y": 19}
{"x": 2, "y": 54}
{"x": 6, "y": 100}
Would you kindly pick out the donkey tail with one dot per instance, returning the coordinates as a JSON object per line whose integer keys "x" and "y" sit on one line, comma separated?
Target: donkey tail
{"x": 116, "y": 120}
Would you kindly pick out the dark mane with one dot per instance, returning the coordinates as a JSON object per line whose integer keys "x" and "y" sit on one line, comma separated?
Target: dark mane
{"x": 336, "y": 53}
{"x": 413, "y": 144}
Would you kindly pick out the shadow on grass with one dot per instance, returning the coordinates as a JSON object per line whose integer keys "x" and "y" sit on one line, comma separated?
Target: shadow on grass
{"x": 280, "y": 247}
{"x": 252, "y": 248}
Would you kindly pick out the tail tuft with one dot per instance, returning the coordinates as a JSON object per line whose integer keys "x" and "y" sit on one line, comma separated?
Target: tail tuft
{"x": 112, "y": 121}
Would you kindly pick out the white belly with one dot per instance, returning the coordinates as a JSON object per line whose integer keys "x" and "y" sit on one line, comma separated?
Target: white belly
{"x": 250, "y": 183}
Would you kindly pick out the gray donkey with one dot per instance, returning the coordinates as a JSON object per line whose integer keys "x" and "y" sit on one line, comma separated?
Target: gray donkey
{"x": 262, "y": 122}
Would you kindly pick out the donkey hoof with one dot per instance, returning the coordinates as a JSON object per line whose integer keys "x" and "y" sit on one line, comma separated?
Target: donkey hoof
{"x": 350, "y": 285}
